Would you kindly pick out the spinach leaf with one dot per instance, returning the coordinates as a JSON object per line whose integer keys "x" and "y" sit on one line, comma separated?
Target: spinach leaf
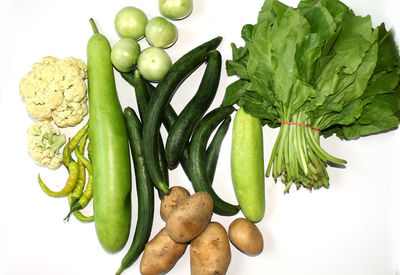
{"x": 321, "y": 66}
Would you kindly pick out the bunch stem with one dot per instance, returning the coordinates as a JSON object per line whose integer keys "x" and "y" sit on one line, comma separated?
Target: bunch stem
{"x": 298, "y": 158}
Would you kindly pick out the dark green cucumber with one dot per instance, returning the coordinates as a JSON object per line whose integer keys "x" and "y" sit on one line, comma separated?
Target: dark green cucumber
{"x": 161, "y": 97}
{"x": 168, "y": 119}
{"x": 142, "y": 100}
{"x": 182, "y": 129}
{"x": 215, "y": 147}
{"x": 169, "y": 116}
{"x": 197, "y": 158}
{"x": 145, "y": 191}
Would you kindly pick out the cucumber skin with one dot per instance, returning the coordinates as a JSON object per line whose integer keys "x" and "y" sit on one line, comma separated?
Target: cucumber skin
{"x": 110, "y": 150}
{"x": 182, "y": 129}
{"x": 160, "y": 99}
{"x": 142, "y": 100}
{"x": 214, "y": 148}
{"x": 144, "y": 190}
{"x": 197, "y": 158}
{"x": 168, "y": 119}
{"x": 247, "y": 165}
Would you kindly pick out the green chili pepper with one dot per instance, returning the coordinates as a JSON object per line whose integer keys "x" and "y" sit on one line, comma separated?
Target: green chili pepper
{"x": 78, "y": 190}
{"x": 78, "y": 214}
{"x": 73, "y": 169}
{"x": 88, "y": 193}
{"x": 73, "y": 143}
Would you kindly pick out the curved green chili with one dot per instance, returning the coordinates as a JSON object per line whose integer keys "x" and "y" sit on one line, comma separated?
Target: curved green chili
{"x": 73, "y": 169}
{"x": 78, "y": 190}
{"x": 89, "y": 150}
{"x": 73, "y": 143}
{"x": 88, "y": 193}
{"x": 78, "y": 215}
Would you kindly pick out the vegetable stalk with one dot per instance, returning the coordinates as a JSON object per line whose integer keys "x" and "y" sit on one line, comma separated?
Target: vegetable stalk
{"x": 297, "y": 156}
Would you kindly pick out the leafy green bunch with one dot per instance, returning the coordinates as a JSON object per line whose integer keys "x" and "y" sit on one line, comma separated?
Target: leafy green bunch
{"x": 323, "y": 67}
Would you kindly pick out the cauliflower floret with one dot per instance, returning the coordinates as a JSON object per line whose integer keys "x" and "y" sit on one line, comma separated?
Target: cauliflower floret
{"x": 76, "y": 92}
{"x": 40, "y": 111}
{"x": 82, "y": 66}
{"x": 70, "y": 113}
{"x": 44, "y": 143}
{"x": 51, "y": 86}
{"x": 54, "y": 97}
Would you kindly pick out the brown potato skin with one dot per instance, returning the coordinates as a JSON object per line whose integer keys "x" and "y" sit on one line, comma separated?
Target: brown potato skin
{"x": 246, "y": 236}
{"x": 210, "y": 252}
{"x": 168, "y": 202}
{"x": 190, "y": 217}
{"x": 161, "y": 254}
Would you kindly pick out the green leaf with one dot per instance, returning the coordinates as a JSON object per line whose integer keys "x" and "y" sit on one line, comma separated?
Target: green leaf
{"x": 253, "y": 104}
{"x": 307, "y": 55}
{"x": 384, "y": 105}
{"x": 388, "y": 52}
{"x": 237, "y": 66}
{"x": 320, "y": 19}
{"x": 348, "y": 52}
{"x": 336, "y": 8}
{"x": 247, "y": 32}
{"x": 272, "y": 53}
{"x": 234, "y": 92}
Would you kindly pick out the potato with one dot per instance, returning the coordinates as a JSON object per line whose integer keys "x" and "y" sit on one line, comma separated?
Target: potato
{"x": 176, "y": 194}
{"x": 210, "y": 252}
{"x": 190, "y": 217}
{"x": 161, "y": 254}
{"x": 246, "y": 236}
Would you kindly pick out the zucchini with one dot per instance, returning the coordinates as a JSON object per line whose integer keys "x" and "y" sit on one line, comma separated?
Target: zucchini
{"x": 197, "y": 158}
{"x": 161, "y": 97}
{"x": 247, "y": 165}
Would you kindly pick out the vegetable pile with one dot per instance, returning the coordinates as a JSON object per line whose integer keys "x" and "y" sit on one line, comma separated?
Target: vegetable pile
{"x": 132, "y": 25}
{"x": 314, "y": 70}
{"x": 318, "y": 69}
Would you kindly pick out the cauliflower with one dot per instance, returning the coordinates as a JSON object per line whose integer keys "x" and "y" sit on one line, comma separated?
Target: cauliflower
{"x": 55, "y": 89}
{"x": 70, "y": 113}
{"x": 44, "y": 143}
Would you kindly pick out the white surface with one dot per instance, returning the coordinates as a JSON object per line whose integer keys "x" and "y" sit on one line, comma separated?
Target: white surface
{"x": 350, "y": 228}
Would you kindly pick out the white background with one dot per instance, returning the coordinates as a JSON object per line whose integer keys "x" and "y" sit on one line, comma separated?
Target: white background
{"x": 351, "y": 228}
